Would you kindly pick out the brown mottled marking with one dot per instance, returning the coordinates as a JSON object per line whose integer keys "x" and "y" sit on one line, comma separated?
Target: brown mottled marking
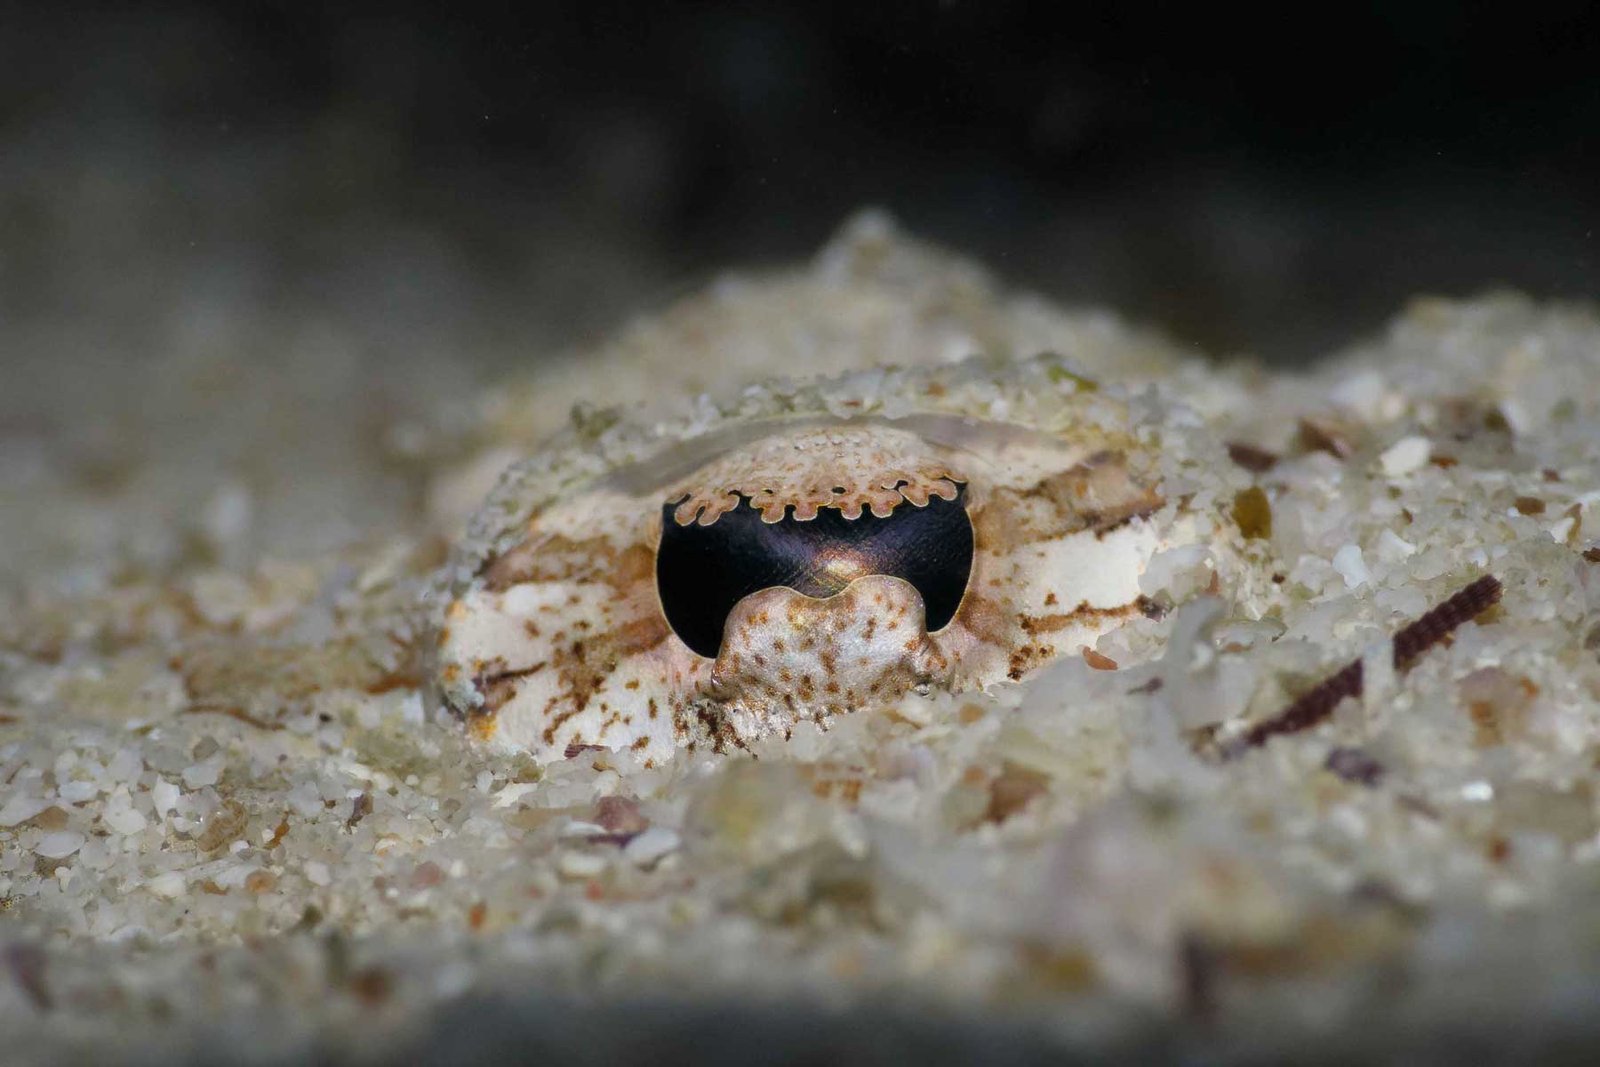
{"x": 1098, "y": 494}
{"x": 585, "y": 666}
{"x": 502, "y": 686}
{"x": 1033, "y": 625}
{"x": 985, "y": 619}
{"x": 560, "y": 559}
{"x": 483, "y": 726}
{"x": 1023, "y": 660}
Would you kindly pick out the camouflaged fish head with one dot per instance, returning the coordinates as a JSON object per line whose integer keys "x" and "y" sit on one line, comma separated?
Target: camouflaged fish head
{"x": 792, "y": 565}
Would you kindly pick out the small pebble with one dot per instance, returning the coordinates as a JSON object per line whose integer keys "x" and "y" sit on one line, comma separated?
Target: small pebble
{"x": 60, "y": 844}
{"x": 651, "y": 845}
{"x": 1252, "y": 513}
{"x": 199, "y": 775}
{"x": 170, "y": 885}
{"x": 1405, "y": 456}
{"x": 164, "y": 796}
{"x": 79, "y": 791}
{"x": 1352, "y": 567}
{"x": 581, "y": 864}
{"x": 124, "y": 820}
{"x": 1392, "y": 548}
{"x": 258, "y": 882}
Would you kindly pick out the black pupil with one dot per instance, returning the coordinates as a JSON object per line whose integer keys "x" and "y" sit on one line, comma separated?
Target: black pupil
{"x": 703, "y": 571}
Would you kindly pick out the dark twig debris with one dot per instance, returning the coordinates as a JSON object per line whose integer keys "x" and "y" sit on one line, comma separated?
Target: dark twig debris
{"x": 1317, "y": 703}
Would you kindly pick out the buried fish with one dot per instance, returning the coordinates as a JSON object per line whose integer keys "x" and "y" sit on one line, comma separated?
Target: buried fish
{"x": 778, "y": 570}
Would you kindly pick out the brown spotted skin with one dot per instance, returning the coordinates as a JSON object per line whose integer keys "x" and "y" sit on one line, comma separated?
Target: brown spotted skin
{"x": 787, "y": 657}
{"x": 561, "y": 641}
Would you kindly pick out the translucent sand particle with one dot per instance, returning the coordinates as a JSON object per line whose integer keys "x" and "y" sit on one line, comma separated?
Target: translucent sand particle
{"x": 1405, "y": 456}
{"x": 1352, "y": 566}
{"x": 59, "y": 844}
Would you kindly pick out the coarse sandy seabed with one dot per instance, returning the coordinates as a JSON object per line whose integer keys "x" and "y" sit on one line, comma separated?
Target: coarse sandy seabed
{"x": 232, "y": 829}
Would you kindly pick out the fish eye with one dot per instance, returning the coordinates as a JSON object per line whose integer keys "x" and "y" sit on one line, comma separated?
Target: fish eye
{"x": 702, "y": 571}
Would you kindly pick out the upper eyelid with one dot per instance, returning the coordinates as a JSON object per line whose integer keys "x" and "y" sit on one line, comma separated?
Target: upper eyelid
{"x": 968, "y": 436}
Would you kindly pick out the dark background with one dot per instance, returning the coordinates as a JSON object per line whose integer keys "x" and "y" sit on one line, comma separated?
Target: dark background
{"x": 494, "y": 181}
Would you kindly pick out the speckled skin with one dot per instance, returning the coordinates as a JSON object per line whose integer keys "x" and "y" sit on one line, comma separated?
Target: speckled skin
{"x": 557, "y": 639}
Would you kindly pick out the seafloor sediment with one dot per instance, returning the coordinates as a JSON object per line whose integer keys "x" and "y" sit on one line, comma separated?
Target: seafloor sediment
{"x": 231, "y": 826}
